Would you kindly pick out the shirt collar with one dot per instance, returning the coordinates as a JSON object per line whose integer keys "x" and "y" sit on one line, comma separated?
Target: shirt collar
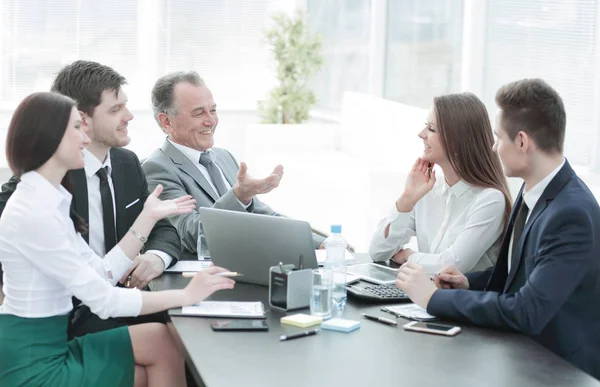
{"x": 50, "y": 194}
{"x": 190, "y": 153}
{"x": 93, "y": 165}
{"x": 457, "y": 189}
{"x": 534, "y": 194}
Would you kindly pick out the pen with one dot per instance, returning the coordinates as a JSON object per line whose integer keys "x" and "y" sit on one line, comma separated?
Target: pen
{"x": 299, "y": 335}
{"x": 128, "y": 282}
{"x": 380, "y": 319}
{"x": 282, "y": 268}
{"x": 189, "y": 274}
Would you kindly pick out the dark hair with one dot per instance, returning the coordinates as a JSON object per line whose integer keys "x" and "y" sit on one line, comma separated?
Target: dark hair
{"x": 467, "y": 139}
{"x": 84, "y": 81}
{"x": 35, "y": 131}
{"x": 534, "y": 107}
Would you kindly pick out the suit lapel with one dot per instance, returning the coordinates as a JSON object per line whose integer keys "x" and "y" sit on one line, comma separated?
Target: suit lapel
{"x": 80, "y": 196}
{"x": 118, "y": 180}
{"x": 498, "y": 278}
{"x": 554, "y": 187}
{"x": 185, "y": 165}
{"x": 540, "y": 206}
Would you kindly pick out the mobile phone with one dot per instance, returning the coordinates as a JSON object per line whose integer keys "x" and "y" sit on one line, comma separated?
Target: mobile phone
{"x": 239, "y": 325}
{"x": 427, "y": 327}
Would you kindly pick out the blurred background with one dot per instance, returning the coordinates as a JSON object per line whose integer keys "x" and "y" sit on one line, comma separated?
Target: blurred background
{"x": 382, "y": 63}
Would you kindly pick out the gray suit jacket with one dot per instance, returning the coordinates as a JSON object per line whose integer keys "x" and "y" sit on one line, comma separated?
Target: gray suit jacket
{"x": 179, "y": 176}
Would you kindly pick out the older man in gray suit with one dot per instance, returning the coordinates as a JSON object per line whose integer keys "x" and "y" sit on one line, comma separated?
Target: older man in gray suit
{"x": 188, "y": 163}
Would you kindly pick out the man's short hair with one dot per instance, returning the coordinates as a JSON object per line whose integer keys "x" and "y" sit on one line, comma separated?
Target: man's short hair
{"x": 164, "y": 90}
{"x": 534, "y": 107}
{"x": 84, "y": 81}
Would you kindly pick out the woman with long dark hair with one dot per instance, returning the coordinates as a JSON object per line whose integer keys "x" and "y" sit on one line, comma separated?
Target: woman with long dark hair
{"x": 458, "y": 218}
{"x": 46, "y": 262}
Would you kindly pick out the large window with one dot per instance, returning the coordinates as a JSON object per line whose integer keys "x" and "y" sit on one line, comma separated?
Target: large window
{"x": 554, "y": 40}
{"x": 424, "y": 48}
{"x": 222, "y": 40}
{"x": 38, "y": 37}
{"x": 344, "y": 26}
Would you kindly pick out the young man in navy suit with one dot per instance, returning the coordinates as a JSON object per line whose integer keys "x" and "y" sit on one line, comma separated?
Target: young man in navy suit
{"x": 546, "y": 282}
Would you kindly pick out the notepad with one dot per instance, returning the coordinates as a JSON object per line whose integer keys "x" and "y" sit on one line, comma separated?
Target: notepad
{"x": 301, "y": 320}
{"x": 225, "y": 309}
{"x": 410, "y": 311}
{"x": 186, "y": 266}
{"x": 340, "y": 325}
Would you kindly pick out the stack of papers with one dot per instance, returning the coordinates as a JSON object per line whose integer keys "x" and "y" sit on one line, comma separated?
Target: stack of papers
{"x": 225, "y": 309}
{"x": 409, "y": 311}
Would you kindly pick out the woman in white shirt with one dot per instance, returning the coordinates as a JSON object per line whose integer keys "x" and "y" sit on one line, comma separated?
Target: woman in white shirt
{"x": 458, "y": 219}
{"x": 46, "y": 262}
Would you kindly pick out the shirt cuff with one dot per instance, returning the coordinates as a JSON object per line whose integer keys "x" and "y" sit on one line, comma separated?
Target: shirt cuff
{"x": 116, "y": 263}
{"x": 245, "y": 207}
{"x": 166, "y": 258}
{"x": 129, "y": 302}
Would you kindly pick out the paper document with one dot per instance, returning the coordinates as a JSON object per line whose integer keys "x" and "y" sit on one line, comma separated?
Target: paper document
{"x": 225, "y": 309}
{"x": 410, "y": 311}
{"x": 322, "y": 255}
{"x": 182, "y": 266}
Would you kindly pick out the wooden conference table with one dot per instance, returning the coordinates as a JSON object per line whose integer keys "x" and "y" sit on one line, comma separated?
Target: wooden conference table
{"x": 374, "y": 355}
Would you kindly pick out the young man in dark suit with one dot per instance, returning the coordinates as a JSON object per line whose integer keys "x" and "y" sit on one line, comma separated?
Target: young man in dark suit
{"x": 546, "y": 282}
{"x": 110, "y": 191}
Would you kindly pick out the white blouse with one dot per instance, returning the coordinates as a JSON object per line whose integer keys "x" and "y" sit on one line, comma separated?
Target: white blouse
{"x": 46, "y": 262}
{"x": 459, "y": 225}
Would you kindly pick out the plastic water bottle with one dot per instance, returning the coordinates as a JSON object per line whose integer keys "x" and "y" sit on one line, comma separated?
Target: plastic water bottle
{"x": 335, "y": 246}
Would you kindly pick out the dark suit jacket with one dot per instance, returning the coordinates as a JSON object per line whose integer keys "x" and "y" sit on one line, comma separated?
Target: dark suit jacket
{"x": 129, "y": 184}
{"x": 559, "y": 305}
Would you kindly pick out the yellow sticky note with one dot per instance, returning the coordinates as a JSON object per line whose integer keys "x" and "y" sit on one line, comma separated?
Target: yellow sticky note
{"x": 301, "y": 320}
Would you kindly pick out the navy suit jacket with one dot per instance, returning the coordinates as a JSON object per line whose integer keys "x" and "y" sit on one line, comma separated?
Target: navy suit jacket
{"x": 559, "y": 305}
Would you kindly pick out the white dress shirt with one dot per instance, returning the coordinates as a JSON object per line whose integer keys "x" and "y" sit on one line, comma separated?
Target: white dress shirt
{"x": 46, "y": 262}
{"x": 96, "y": 220}
{"x": 459, "y": 225}
{"x": 194, "y": 156}
{"x": 531, "y": 197}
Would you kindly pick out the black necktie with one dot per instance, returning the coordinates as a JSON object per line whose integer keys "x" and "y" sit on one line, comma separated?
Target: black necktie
{"x": 519, "y": 279}
{"x": 110, "y": 235}
{"x": 206, "y": 159}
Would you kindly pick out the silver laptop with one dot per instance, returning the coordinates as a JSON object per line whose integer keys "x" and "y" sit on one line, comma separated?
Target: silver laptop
{"x": 252, "y": 243}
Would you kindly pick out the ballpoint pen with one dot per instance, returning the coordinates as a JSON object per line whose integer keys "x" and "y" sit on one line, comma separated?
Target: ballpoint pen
{"x": 189, "y": 274}
{"x": 299, "y": 335}
{"x": 382, "y": 320}
{"x": 282, "y": 268}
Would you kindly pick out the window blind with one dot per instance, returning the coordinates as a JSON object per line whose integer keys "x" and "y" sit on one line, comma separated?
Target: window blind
{"x": 222, "y": 40}
{"x": 551, "y": 39}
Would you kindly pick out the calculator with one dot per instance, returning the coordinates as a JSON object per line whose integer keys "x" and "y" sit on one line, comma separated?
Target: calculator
{"x": 377, "y": 293}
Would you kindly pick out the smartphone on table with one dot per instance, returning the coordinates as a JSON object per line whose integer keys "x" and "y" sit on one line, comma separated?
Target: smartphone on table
{"x": 239, "y": 325}
{"x": 435, "y": 328}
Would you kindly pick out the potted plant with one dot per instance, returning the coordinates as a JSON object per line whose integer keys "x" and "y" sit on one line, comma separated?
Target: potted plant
{"x": 297, "y": 53}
